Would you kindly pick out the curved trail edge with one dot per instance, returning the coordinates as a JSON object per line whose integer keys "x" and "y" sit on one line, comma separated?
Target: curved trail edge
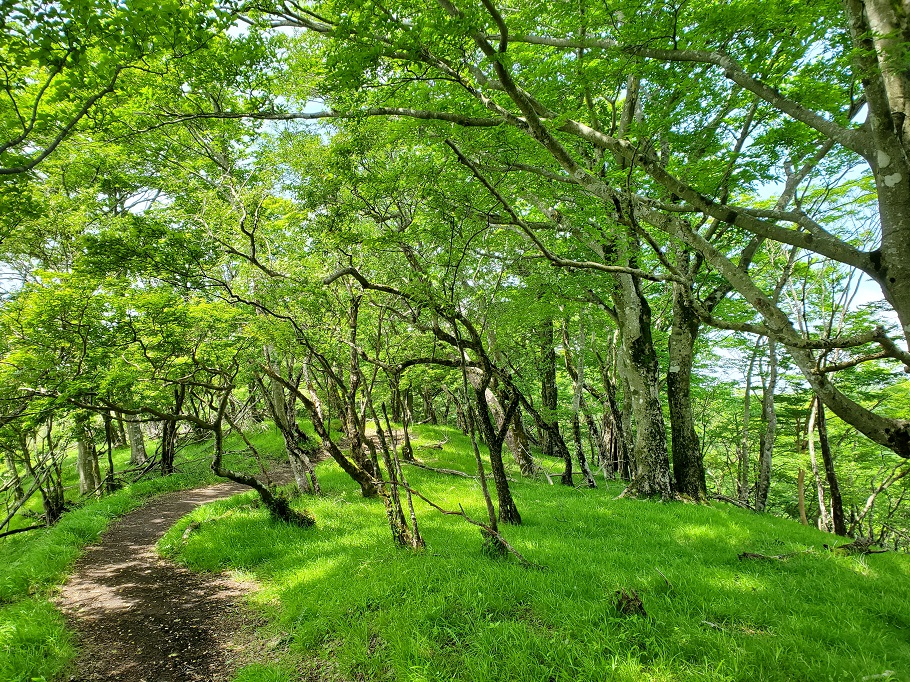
{"x": 142, "y": 618}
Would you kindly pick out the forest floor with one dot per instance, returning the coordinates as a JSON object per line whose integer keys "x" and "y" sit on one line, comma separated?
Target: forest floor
{"x": 140, "y": 617}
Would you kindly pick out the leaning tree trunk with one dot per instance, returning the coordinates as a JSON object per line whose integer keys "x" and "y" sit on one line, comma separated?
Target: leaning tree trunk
{"x": 688, "y": 463}
{"x": 651, "y": 463}
{"x": 881, "y": 34}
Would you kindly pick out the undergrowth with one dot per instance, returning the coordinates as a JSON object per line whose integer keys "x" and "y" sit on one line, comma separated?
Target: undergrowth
{"x": 350, "y": 605}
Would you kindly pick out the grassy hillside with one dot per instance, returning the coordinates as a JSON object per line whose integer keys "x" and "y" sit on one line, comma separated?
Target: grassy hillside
{"x": 349, "y": 605}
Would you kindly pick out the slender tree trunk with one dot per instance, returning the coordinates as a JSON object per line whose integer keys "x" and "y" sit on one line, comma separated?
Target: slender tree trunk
{"x": 460, "y": 420}
{"x": 576, "y": 410}
{"x": 615, "y": 422}
{"x": 109, "y": 442}
{"x": 823, "y": 519}
{"x": 389, "y": 492}
{"x": 120, "y": 438}
{"x": 769, "y": 416}
{"x": 688, "y": 463}
{"x": 742, "y": 466}
{"x": 801, "y": 495}
{"x": 519, "y": 443}
{"x": 297, "y": 444}
{"x": 605, "y": 437}
{"x": 627, "y": 431}
{"x": 395, "y": 400}
{"x": 837, "y": 505}
{"x": 14, "y": 476}
{"x": 169, "y": 433}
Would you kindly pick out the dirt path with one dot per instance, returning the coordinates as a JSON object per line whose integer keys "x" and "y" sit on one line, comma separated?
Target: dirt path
{"x": 142, "y": 618}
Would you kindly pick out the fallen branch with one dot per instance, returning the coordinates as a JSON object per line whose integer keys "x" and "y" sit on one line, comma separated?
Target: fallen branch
{"x": 858, "y": 546}
{"x": 730, "y": 500}
{"x": 22, "y": 530}
{"x": 438, "y": 445}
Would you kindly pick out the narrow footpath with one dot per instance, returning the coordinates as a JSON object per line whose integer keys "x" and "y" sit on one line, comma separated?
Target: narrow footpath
{"x": 141, "y": 618}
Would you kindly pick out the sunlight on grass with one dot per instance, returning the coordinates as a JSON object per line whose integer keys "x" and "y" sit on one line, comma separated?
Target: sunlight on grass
{"x": 355, "y": 606}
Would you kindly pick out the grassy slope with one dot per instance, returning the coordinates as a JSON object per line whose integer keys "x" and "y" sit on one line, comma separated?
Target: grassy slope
{"x": 34, "y": 642}
{"x": 352, "y": 606}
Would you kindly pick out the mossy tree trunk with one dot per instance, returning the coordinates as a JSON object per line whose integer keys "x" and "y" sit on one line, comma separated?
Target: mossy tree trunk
{"x": 651, "y": 464}
{"x": 688, "y": 463}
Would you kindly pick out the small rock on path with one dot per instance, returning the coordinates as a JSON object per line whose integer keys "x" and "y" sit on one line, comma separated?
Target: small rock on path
{"x": 142, "y": 618}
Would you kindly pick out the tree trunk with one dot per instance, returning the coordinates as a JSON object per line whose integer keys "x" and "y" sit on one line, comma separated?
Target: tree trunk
{"x": 881, "y": 31}
{"x": 84, "y": 465}
{"x": 605, "y": 438}
{"x": 549, "y": 395}
{"x": 516, "y": 438}
{"x": 823, "y": 521}
{"x": 837, "y": 505}
{"x": 109, "y": 436}
{"x": 429, "y": 411}
{"x": 14, "y": 476}
{"x": 120, "y": 438}
{"x": 769, "y": 416}
{"x": 742, "y": 461}
{"x": 576, "y": 410}
{"x": 297, "y": 444}
{"x": 520, "y": 445}
{"x": 494, "y": 437}
{"x": 615, "y": 421}
{"x": 801, "y": 496}
{"x": 460, "y": 420}
{"x": 395, "y": 399}
{"x": 138, "y": 455}
{"x": 651, "y": 474}
{"x": 168, "y": 446}
{"x": 627, "y": 431}
{"x": 688, "y": 463}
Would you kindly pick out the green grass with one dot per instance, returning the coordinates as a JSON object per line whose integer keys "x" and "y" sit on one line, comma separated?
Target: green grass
{"x": 34, "y": 641}
{"x": 352, "y": 606}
